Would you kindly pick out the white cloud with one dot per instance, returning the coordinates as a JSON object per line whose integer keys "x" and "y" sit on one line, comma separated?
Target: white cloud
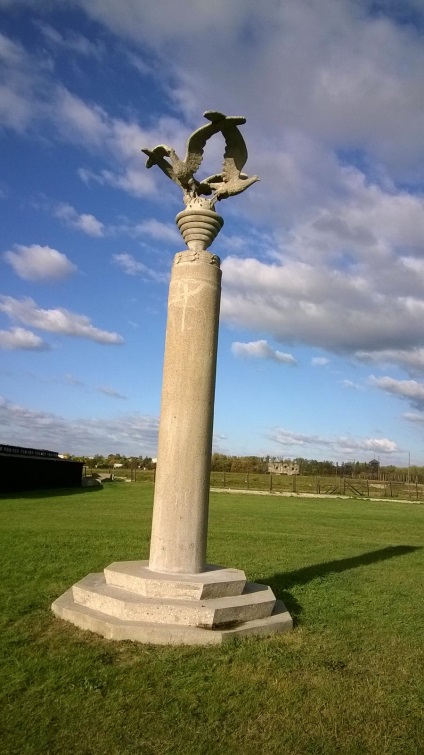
{"x": 39, "y": 263}
{"x": 319, "y": 361}
{"x": 412, "y": 361}
{"x": 330, "y": 75}
{"x": 410, "y": 390}
{"x": 366, "y": 218}
{"x": 20, "y": 338}
{"x": 376, "y": 445}
{"x": 350, "y": 384}
{"x": 110, "y": 392}
{"x": 261, "y": 350}
{"x": 133, "y": 181}
{"x": 11, "y": 53}
{"x": 126, "y": 434}
{"x": 339, "y": 446}
{"x": 328, "y": 68}
{"x": 83, "y": 222}
{"x": 131, "y": 266}
{"x": 120, "y": 143}
{"x": 78, "y": 121}
{"x": 340, "y": 310}
{"x": 15, "y": 112}
{"x": 59, "y": 320}
{"x": 157, "y": 230}
{"x": 151, "y": 228}
{"x": 290, "y": 438}
{"x": 70, "y": 41}
{"x": 18, "y": 80}
{"x": 71, "y": 379}
{"x": 414, "y": 417}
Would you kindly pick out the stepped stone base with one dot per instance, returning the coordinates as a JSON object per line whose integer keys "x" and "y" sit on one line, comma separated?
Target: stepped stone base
{"x": 214, "y": 582}
{"x": 129, "y": 602}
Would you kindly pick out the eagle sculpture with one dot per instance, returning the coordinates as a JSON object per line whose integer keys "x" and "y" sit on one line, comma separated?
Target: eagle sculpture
{"x": 228, "y": 183}
{"x": 231, "y": 181}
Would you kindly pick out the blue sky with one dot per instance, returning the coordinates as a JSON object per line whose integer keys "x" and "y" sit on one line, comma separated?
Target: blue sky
{"x": 321, "y": 347}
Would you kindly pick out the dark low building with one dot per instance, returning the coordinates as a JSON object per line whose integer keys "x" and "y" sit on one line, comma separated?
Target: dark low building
{"x": 35, "y": 469}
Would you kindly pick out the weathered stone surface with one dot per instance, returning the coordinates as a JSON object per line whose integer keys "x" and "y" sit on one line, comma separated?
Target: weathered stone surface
{"x": 214, "y": 582}
{"x": 219, "y": 186}
{"x": 171, "y": 608}
{"x": 114, "y": 628}
{"x": 198, "y": 227}
{"x": 180, "y": 511}
{"x": 256, "y": 602}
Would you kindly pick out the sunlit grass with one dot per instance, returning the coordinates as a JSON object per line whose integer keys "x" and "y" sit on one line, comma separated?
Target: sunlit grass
{"x": 348, "y": 679}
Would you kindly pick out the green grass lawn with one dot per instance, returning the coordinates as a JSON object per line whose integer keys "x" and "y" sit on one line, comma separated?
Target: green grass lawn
{"x": 348, "y": 679}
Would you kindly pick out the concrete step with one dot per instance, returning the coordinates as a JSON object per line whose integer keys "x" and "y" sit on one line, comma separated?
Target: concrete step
{"x": 256, "y": 602}
{"x": 214, "y": 582}
{"x": 166, "y": 634}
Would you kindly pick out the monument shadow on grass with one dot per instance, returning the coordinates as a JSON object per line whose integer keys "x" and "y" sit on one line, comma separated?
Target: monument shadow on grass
{"x": 281, "y": 583}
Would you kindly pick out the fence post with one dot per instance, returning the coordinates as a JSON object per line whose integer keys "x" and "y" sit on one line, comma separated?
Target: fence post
{"x": 270, "y": 482}
{"x": 294, "y": 483}
{"x": 247, "y": 480}
{"x": 224, "y": 478}
{"x": 368, "y": 488}
{"x": 344, "y": 486}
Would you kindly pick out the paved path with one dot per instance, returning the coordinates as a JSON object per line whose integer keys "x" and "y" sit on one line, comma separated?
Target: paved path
{"x": 289, "y": 494}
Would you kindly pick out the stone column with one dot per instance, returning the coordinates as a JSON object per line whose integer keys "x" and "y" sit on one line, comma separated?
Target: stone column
{"x": 180, "y": 513}
{"x": 175, "y": 597}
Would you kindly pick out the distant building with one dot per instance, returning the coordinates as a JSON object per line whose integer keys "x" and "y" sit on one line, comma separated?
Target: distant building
{"x": 374, "y": 467}
{"x": 35, "y": 469}
{"x": 283, "y": 467}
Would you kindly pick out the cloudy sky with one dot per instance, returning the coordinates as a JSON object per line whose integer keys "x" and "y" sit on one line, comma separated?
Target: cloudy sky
{"x": 321, "y": 350}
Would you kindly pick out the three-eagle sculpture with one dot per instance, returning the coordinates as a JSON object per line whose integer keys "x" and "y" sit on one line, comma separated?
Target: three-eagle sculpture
{"x": 229, "y": 182}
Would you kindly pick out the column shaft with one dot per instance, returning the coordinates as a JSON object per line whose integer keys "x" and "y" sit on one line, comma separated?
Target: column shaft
{"x": 180, "y": 513}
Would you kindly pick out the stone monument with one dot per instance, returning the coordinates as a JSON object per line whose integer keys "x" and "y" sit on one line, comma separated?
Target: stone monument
{"x": 176, "y": 597}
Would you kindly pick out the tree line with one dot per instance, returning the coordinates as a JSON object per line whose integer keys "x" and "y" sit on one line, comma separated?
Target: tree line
{"x": 104, "y": 462}
{"x": 371, "y": 469}
{"x": 259, "y": 465}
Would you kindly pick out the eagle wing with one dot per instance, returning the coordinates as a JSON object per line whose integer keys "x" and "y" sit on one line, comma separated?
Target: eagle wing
{"x": 235, "y": 155}
{"x": 162, "y": 150}
{"x": 197, "y": 141}
{"x": 157, "y": 157}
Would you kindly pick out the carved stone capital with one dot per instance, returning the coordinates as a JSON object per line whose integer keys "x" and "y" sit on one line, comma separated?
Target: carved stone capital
{"x": 199, "y": 227}
{"x": 200, "y": 256}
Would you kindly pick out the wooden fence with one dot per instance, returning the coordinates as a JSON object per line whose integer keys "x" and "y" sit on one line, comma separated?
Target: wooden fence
{"x": 331, "y": 485}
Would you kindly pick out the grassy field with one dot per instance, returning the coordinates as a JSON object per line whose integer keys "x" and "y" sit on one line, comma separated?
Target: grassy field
{"x": 347, "y": 680}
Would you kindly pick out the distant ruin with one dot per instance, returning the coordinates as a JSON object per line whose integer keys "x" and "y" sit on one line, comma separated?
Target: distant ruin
{"x": 283, "y": 467}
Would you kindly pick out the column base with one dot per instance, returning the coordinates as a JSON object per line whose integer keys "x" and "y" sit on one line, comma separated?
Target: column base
{"x": 129, "y": 602}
